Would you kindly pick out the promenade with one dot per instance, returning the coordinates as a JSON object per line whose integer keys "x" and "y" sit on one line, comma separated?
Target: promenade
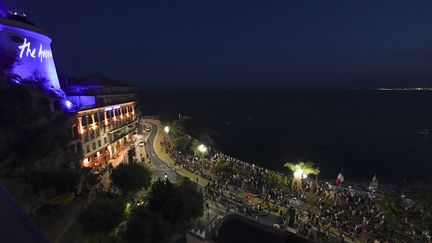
{"x": 322, "y": 212}
{"x": 218, "y": 203}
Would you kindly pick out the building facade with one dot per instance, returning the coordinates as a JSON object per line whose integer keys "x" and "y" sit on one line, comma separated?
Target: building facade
{"x": 105, "y": 121}
{"x": 100, "y": 114}
{"x": 30, "y": 49}
{"x": 105, "y": 132}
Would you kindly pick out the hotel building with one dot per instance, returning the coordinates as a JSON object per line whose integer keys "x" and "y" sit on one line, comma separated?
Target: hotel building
{"x": 105, "y": 121}
{"x": 102, "y": 114}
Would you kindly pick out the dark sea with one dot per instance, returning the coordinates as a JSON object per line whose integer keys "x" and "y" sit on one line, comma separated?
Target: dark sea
{"x": 364, "y": 132}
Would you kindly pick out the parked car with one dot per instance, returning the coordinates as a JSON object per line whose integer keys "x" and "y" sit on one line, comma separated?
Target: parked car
{"x": 141, "y": 144}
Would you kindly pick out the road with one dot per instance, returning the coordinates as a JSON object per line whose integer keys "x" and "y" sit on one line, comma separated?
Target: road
{"x": 160, "y": 167}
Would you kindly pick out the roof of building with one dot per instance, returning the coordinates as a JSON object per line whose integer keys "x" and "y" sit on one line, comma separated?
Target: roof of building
{"x": 15, "y": 224}
{"x": 21, "y": 22}
{"x": 96, "y": 79}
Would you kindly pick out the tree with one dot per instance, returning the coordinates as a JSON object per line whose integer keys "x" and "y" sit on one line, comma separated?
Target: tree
{"x": 177, "y": 128}
{"x": 147, "y": 226}
{"x": 170, "y": 209}
{"x": 178, "y": 204}
{"x": 274, "y": 179}
{"x": 101, "y": 217}
{"x": 300, "y": 170}
{"x": 183, "y": 144}
{"x": 131, "y": 177}
{"x": 195, "y": 147}
{"x": 63, "y": 181}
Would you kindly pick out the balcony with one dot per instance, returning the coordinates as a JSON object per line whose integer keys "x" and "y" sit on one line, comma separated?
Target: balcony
{"x": 114, "y": 125}
{"x": 120, "y": 133}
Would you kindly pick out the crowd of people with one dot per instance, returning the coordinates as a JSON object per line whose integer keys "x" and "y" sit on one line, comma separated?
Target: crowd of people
{"x": 322, "y": 209}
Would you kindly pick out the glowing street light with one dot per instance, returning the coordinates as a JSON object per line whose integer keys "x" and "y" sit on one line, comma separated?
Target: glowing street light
{"x": 202, "y": 148}
{"x": 298, "y": 173}
{"x": 166, "y": 129}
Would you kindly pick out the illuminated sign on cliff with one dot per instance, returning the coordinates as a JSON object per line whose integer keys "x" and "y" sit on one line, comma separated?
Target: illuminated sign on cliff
{"x": 33, "y": 50}
{"x": 26, "y": 47}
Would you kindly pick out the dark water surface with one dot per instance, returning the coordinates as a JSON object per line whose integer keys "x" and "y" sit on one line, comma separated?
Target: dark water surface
{"x": 363, "y": 132}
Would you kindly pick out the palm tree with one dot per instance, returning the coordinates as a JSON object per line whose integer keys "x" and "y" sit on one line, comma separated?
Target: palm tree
{"x": 177, "y": 128}
{"x": 300, "y": 170}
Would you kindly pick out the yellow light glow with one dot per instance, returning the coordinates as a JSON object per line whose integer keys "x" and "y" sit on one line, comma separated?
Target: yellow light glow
{"x": 298, "y": 173}
{"x": 202, "y": 148}
{"x": 86, "y": 162}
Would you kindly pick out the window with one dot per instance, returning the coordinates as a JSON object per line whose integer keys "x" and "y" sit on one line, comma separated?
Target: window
{"x": 105, "y": 140}
{"x": 99, "y": 143}
{"x": 85, "y": 120}
{"x": 94, "y": 146}
{"x": 88, "y": 149}
{"x": 75, "y": 132}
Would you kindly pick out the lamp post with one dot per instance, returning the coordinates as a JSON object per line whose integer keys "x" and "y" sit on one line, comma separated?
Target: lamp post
{"x": 166, "y": 129}
{"x": 202, "y": 148}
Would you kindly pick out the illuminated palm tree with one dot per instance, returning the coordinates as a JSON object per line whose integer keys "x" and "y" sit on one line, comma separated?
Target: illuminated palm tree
{"x": 300, "y": 171}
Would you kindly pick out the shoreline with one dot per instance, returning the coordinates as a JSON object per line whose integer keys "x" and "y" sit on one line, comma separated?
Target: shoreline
{"x": 361, "y": 186}
{"x": 238, "y": 184}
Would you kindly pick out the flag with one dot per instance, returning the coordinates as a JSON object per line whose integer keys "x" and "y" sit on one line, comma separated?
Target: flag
{"x": 339, "y": 179}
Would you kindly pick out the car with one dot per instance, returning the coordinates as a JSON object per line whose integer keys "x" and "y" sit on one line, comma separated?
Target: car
{"x": 141, "y": 144}
{"x": 148, "y": 129}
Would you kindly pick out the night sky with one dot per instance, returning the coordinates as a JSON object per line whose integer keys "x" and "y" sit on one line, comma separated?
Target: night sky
{"x": 241, "y": 44}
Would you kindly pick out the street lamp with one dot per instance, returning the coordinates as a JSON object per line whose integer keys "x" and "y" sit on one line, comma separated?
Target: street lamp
{"x": 165, "y": 176}
{"x": 298, "y": 174}
{"x": 166, "y": 129}
{"x": 202, "y": 148}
